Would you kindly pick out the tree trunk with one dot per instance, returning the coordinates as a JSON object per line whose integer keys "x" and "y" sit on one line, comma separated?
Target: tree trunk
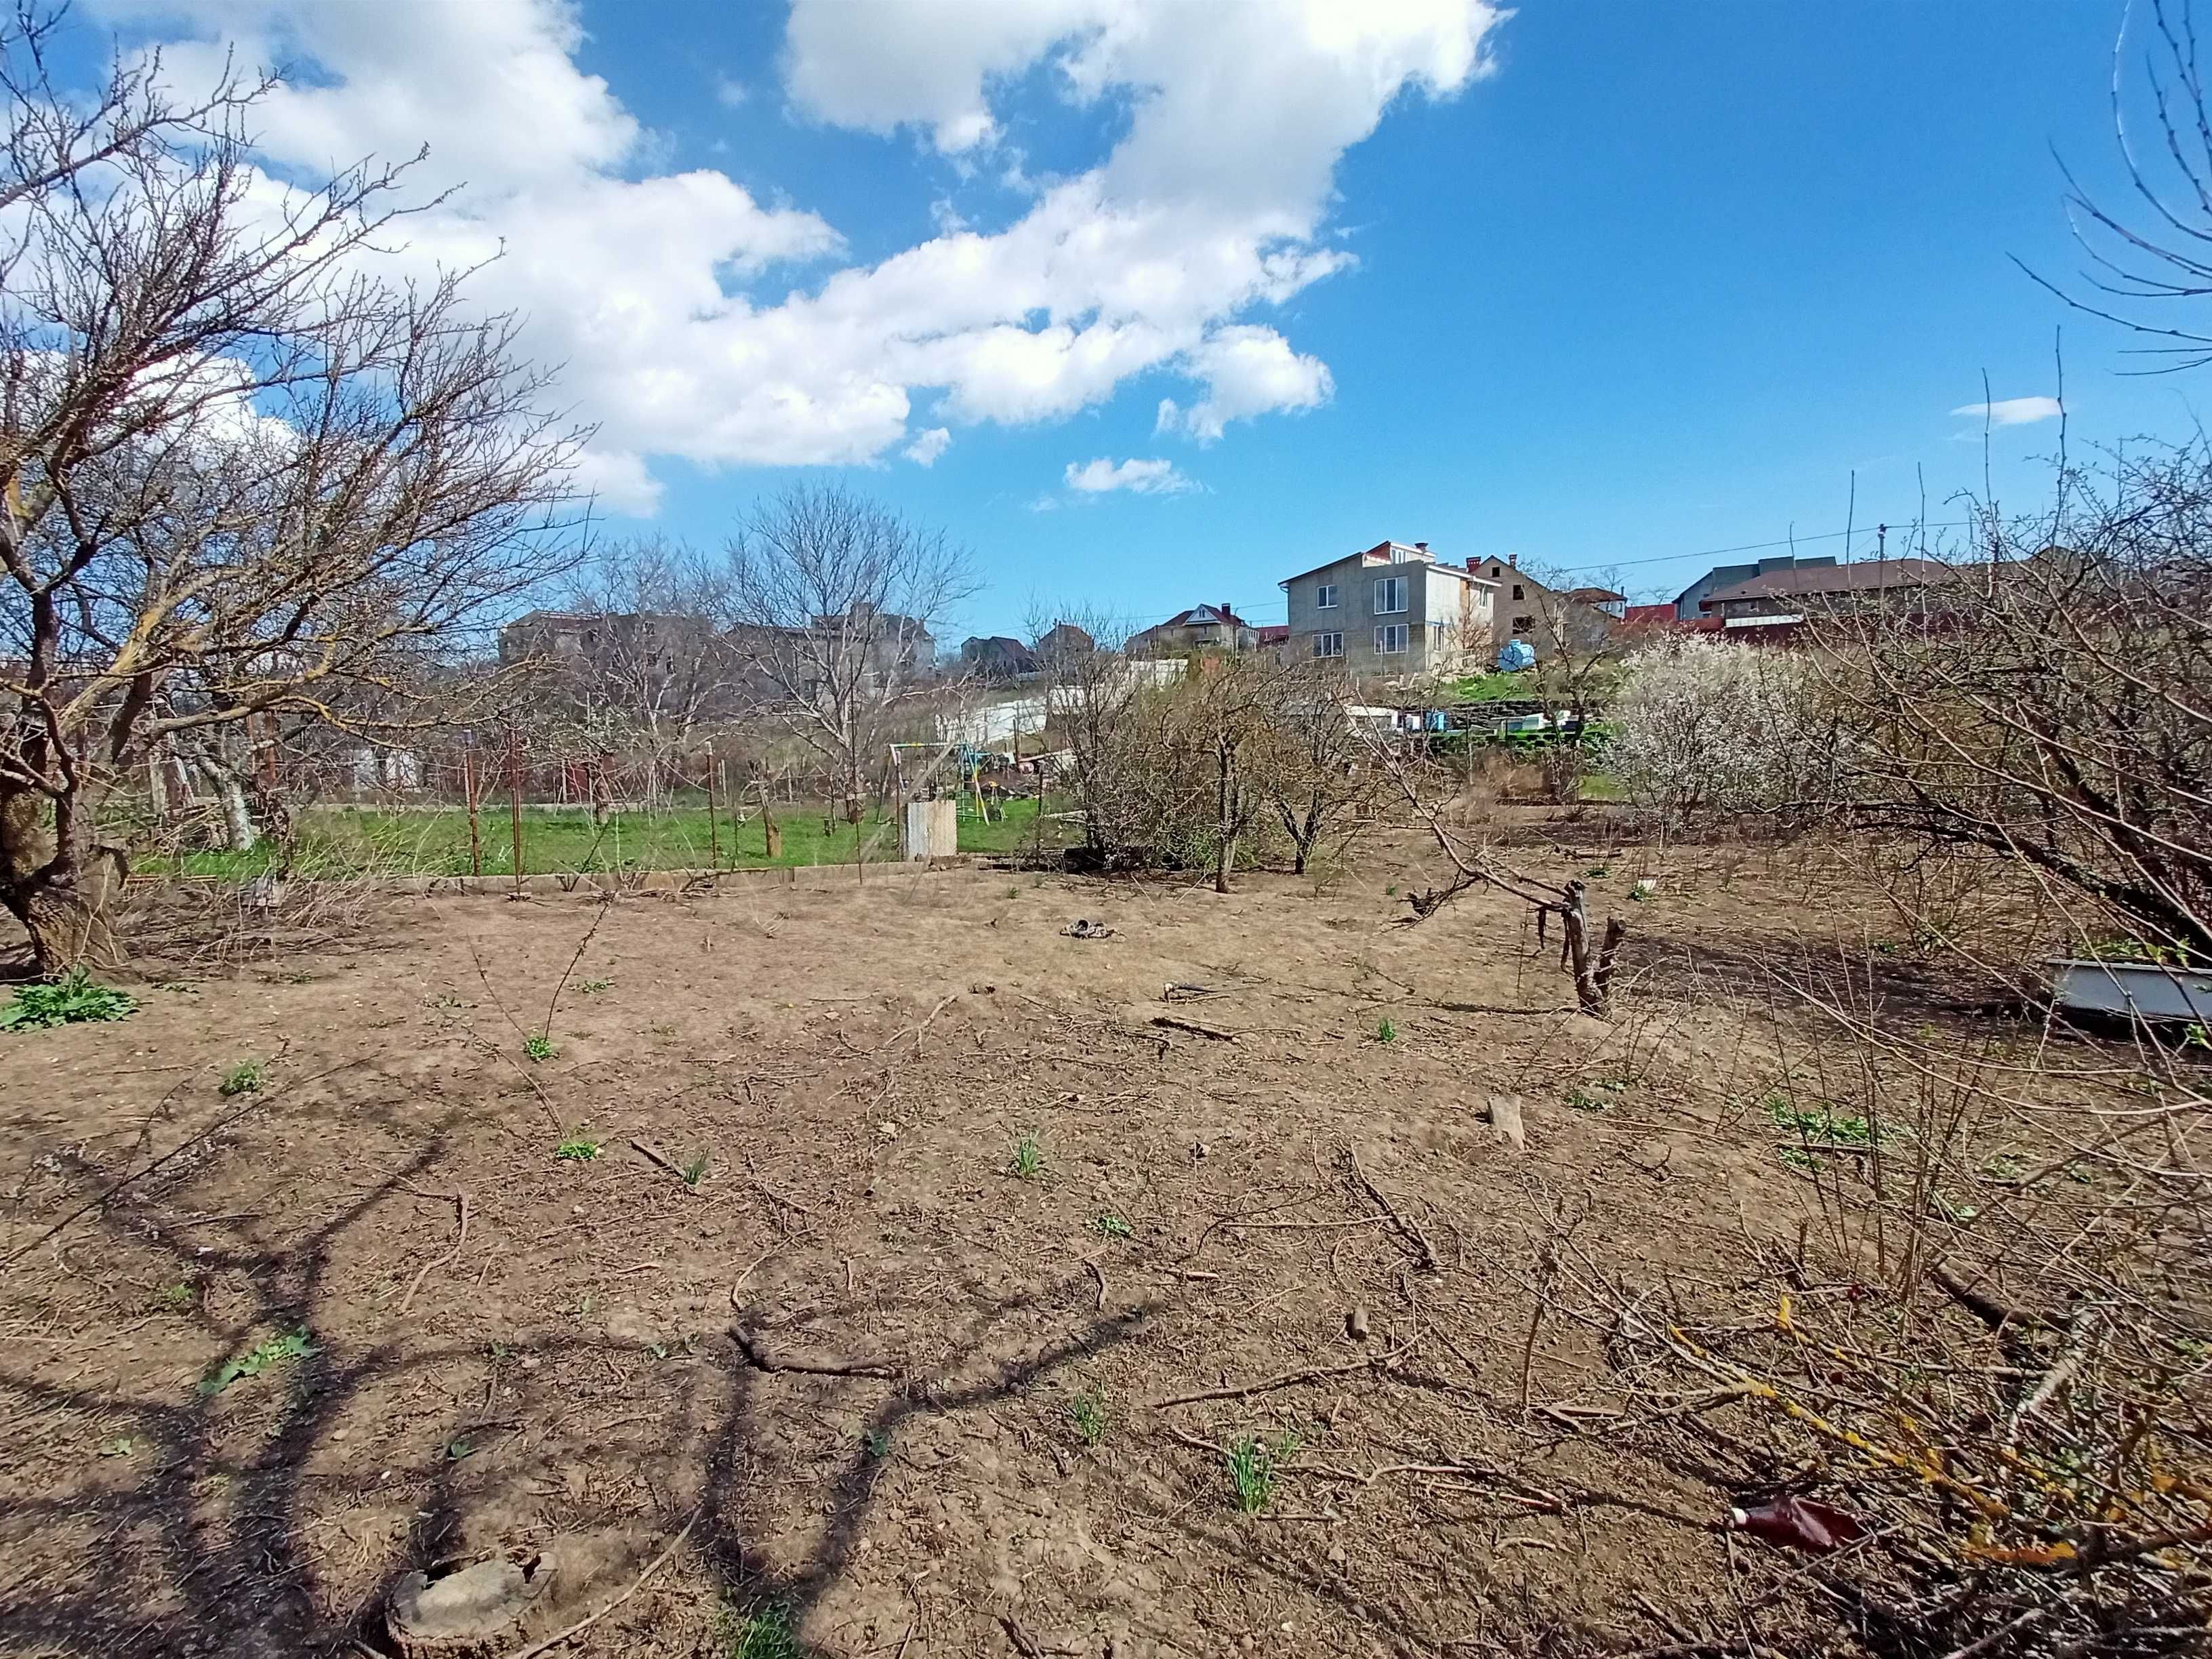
{"x": 1225, "y": 850}
{"x": 771, "y": 833}
{"x": 62, "y": 899}
{"x": 1592, "y": 968}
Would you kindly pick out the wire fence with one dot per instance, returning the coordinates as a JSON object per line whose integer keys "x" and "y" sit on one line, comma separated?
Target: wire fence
{"x": 498, "y": 803}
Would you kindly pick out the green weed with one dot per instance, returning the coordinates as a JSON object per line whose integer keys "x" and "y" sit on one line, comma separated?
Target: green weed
{"x": 1798, "y": 1158}
{"x": 175, "y": 1298}
{"x": 694, "y": 1169}
{"x": 539, "y": 1046}
{"x": 1253, "y": 1466}
{"x": 243, "y": 1078}
{"x": 117, "y": 1447}
{"x": 591, "y": 987}
{"x": 1602, "y": 1095}
{"x": 1597, "y": 872}
{"x": 1391, "y": 891}
{"x": 876, "y": 1443}
{"x": 2004, "y": 1166}
{"x": 456, "y": 1449}
{"x": 1820, "y": 1124}
{"x": 578, "y": 1147}
{"x": 763, "y": 1630}
{"x": 1029, "y": 1159}
{"x": 1087, "y": 1411}
{"x": 71, "y": 1001}
{"x": 293, "y": 1344}
{"x": 1112, "y": 1226}
{"x": 1386, "y": 1032}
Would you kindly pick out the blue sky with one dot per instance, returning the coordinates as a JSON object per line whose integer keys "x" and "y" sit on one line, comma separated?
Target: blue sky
{"x": 1605, "y": 286}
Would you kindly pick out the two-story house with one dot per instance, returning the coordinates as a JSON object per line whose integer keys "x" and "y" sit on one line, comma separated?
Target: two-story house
{"x": 1392, "y": 610}
{"x": 1201, "y": 628}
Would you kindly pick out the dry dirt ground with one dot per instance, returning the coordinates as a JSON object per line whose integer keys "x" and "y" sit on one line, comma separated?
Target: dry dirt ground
{"x": 1016, "y": 1439}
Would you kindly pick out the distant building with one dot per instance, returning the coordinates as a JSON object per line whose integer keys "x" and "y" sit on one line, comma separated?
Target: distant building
{"x": 1273, "y": 640}
{"x": 997, "y": 658}
{"x": 1391, "y": 610}
{"x": 1201, "y": 628}
{"x": 1547, "y": 619}
{"x": 1785, "y": 596}
{"x": 899, "y": 650}
{"x": 1689, "y": 603}
{"x": 1063, "y": 638}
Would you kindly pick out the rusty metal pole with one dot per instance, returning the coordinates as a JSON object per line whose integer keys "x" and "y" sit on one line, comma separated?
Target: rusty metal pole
{"x": 714, "y": 815}
{"x": 515, "y": 798}
{"x": 469, "y": 792}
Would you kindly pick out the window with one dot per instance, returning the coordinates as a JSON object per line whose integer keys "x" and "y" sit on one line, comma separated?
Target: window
{"x": 1325, "y": 597}
{"x": 1390, "y": 639}
{"x": 1390, "y": 596}
{"x": 1517, "y": 590}
{"x": 1524, "y": 624}
{"x": 1328, "y": 645}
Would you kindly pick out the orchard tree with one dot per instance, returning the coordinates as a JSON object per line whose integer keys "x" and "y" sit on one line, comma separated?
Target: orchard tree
{"x": 243, "y": 474}
{"x": 834, "y": 600}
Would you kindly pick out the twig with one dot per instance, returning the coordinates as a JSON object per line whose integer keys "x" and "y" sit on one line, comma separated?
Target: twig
{"x": 590, "y": 1619}
{"x": 1170, "y": 1023}
{"x": 181, "y": 1147}
{"x": 1981, "y": 1304}
{"x": 606, "y": 909}
{"x": 916, "y": 1030}
{"x": 760, "y": 1357}
{"x": 1289, "y": 1379}
{"x": 461, "y": 1199}
{"x": 1974, "y": 1650}
{"x": 2077, "y": 1348}
{"x": 1413, "y": 1234}
{"x": 653, "y": 1155}
{"x": 1100, "y": 1276}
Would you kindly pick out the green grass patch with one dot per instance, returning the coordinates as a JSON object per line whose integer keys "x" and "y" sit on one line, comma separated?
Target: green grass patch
{"x": 763, "y": 1630}
{"x": 243, "y": 1079}
{"x": 1087, "y": 1411}
{"x": 293, "y": 1344}
{"x": 1028, "y": 1160}
{"x": 347, "y": 841}
{"x": 1111, "y": 1226}
{"x": 578, "y": 1148}
{"x": 76, "y": 999}
{"x": 1254, "y": 1466}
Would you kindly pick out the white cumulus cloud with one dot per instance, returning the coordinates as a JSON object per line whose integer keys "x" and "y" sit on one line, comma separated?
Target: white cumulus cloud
{"x": 2013, "y": 411}
{"x": 924, "y": 449}
{"x": 1143, "y": 477}
{"x": 695, "y": 321}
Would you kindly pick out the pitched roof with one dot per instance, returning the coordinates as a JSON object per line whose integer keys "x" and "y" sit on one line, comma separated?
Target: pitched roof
{"x": 1595, "y": 595}
{"x": 1869, "y": 576}
{"x": 1201, "y": 616}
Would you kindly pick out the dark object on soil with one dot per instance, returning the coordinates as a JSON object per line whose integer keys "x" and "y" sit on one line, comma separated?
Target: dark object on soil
{"x": 1194, "y": 1028}
{"x": 1800, "y": 1523}
{"x": 1355, "y": 1322}
{"x": 761, "y": 1358}
{"x": 477, "y": 1609}
{"x": 1081, "y": 929}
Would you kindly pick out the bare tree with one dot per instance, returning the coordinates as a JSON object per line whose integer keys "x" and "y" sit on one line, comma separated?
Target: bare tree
{"x": 835, "y": 603}
{"x": 636, "y": 664}
{"x": 241, "y": 474}
{"x": 50, "y": 137}
{"x": 1312, "y": 765}
{"x": 2164, "y": 258}
{"x": 2048, "y": 701}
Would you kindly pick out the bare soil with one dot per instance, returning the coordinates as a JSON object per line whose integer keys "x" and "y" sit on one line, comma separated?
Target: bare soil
{"x": 858, "y": 1064}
